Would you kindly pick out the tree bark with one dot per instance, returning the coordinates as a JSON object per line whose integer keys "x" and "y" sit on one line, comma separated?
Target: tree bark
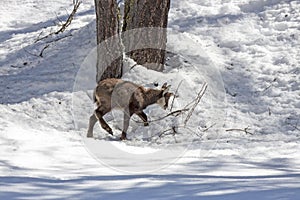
{"x": 109, "y": 49}
{"x": 146, "y": 13}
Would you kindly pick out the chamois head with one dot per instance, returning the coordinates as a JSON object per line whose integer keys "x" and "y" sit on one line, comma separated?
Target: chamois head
{"x": 164, "y": 100}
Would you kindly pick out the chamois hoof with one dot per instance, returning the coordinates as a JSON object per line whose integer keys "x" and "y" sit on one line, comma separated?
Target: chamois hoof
{"x": 146, "y": 124}
{"x": 89, "y": 135}
{"x": 123, "y": 136}
{"x": 110, "y": 132}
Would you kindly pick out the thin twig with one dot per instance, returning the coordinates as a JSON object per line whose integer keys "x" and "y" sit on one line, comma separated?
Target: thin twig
{"x": 70, "y": 18}
{"x": 165, "y": 131}
{"x": 173, "y": 129}
{"x": 42, "y": 51}
{"x": 133, "y": 66}
{"x": 206, "y": 129}
{"x": 174, "y": 113}
{"x": 64, "y": 25}
{"x": 31, "y": 53}
{"x": 194, "y": 100}
{"x": 60, "y": 38}
{"x": 61, "y": 22}
{"x": 175, "y": 95}
{"x": 185, "y": 109}
{"x": 197, "y": 101}
{"x": 38, "y": 36}
{"x": 242, "y": 130}
{"x": 42, "y": 38}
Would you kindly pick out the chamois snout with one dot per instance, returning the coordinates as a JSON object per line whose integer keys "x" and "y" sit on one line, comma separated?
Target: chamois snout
{"x": 164, "y": 100}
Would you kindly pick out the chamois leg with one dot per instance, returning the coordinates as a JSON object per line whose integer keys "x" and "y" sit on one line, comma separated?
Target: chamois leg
{"x": 127, "y": 115}
{"x": 92, "y": 122}
{"x": 143, "y": 116}
{"x": 99, "y": 114}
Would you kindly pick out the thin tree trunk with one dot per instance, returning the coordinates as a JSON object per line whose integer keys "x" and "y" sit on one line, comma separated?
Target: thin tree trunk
{"x": 146, "y": 13}
{"x": 110, "y": 59}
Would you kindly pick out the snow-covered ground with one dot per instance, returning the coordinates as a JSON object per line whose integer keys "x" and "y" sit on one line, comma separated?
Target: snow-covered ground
{"x": 243, "y": 138}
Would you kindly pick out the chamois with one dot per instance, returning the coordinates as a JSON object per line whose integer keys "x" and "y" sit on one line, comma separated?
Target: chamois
{"x": 131, "y": 98}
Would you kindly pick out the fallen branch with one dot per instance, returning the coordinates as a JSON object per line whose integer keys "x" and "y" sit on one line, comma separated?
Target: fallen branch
{"x": 40, "y": 54}
{"x": 64, "y": 25}
{"x": 241, "y": 130}
{"x": 70, "y": 18}
{"x": 42, "y": 51}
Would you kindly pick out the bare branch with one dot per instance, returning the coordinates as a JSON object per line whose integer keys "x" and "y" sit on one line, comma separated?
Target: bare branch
{"x": 60, "y": 21}
{"x": 174, "y": 113}
{"x": 175, "y": 95}
{"x": 42, "y": 51}
{"x": 59, "y": 38}
{"x": 173, "y": 129}
{"x": 196, "y": 102}
{"x": 70, "y": 18}
{"x": 38, "y": 39}
{"x": 64, "y": 25}
{"x": 242, "y": 130}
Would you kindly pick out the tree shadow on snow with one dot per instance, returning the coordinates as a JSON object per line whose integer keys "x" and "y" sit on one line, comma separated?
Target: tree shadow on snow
{"x": 31, "y": 75}
{"x": 284, "y": 184}
{"x": 170, "y": 186}
{"x": 6, "y": 35}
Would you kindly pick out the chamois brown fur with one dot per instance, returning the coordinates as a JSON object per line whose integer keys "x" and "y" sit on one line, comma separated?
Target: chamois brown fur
{"x": 131, "y": 98}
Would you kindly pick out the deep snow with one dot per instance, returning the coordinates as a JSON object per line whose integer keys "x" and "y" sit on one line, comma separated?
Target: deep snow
{"x": 247, "y": 51}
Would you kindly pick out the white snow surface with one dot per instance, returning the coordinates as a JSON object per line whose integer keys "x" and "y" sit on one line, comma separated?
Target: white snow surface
{"x": 243, "y": 139}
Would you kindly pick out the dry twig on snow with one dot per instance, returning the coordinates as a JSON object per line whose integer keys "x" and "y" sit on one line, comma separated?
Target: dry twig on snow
{"x": 242, "y": 130}
{"x": 196, "y": 102}
{"x": 175, "y": 95}
{"x": 64, "y": 25}
{"x": 190, "y": 107}
{"x": 70, "y": 18}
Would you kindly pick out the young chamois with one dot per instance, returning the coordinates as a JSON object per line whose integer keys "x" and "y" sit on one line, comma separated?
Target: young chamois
{"x": 131, "y": 98}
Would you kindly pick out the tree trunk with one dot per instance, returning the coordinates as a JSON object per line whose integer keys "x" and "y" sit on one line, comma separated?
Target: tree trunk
{"x": 109, "y": 50}
{"x": 146, "y": 13}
